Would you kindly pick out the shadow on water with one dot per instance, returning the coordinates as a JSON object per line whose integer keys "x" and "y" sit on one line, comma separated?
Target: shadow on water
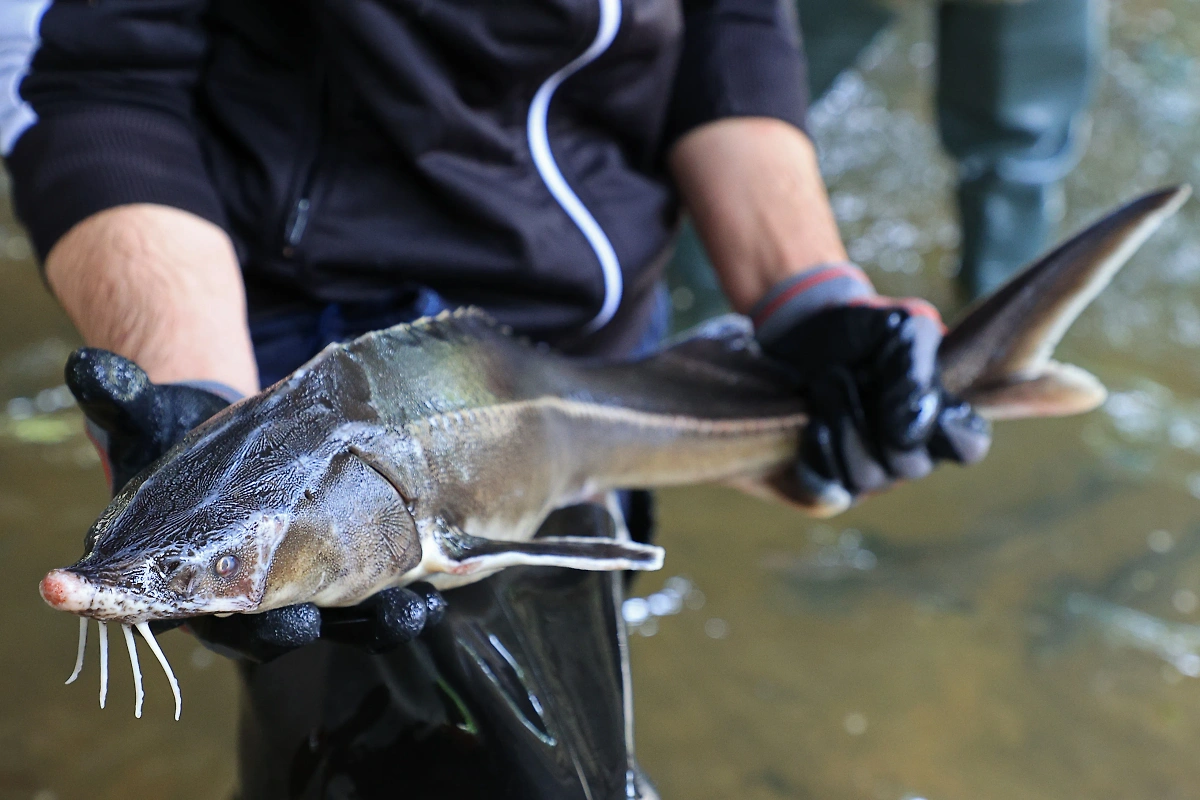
{"x": 1021, "y": 629}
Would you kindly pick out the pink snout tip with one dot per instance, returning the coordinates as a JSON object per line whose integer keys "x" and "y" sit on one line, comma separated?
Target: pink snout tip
{"x": 65, "y": 590}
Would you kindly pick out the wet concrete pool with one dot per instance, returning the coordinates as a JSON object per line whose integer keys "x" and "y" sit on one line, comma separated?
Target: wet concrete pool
{"x": 1027, "y": 628}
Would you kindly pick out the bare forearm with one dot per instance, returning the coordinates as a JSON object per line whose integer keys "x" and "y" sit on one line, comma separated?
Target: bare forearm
{"x": 159, "y": 286}
{"x": 754, "y": 191}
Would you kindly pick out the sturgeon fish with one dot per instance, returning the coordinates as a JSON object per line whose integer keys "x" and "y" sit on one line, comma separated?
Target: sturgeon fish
{"x": 434, "y": 450}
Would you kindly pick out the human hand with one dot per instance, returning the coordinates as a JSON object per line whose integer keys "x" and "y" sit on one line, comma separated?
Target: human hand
{"x": 868, "y": 368}
{"x": 133, "y": 421}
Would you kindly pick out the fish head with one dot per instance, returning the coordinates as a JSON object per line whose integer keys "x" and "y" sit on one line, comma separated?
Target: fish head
{"x": 197, "y": 531}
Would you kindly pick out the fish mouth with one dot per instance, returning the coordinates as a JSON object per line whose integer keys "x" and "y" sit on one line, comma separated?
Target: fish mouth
{"x": 64, "y": 590}
{"x": 67, "y": 590}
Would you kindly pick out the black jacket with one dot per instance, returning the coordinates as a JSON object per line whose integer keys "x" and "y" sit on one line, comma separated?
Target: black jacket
{"x": 506, "y": 153}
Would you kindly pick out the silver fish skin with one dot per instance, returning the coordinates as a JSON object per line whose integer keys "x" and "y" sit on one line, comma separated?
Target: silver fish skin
{"x": 434, "y": 450}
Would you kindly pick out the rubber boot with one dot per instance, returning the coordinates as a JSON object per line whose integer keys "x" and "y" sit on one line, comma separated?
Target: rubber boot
{"x": 1014, "y": 82}
{"x": 1005, "y": 225}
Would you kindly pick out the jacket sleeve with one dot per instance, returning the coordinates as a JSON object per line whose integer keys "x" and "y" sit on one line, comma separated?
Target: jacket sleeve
{"x": 97, "y": 109}
{"x": 740, "y": 58}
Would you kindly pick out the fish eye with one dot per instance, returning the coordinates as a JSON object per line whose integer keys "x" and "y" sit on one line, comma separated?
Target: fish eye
{"x": 226, "y": 565}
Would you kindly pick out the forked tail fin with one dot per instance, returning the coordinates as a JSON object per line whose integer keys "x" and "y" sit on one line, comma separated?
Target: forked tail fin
{"x": 998, "y": 355}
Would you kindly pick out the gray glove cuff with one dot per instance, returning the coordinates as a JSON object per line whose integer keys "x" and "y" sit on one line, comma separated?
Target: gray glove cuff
{"x": 802, "y": 295}
{"x": 225, "y": 392}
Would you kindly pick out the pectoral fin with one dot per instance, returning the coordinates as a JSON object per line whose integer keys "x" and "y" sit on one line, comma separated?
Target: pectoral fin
{"x": 470, "y": 554}
{"x": 1059, "y": 390}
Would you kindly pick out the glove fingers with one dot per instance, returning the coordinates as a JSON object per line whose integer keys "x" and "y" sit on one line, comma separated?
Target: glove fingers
{"x": 869, "y": 374}
{"x": 132, "y": 420}
{"x": 926, "y": 336}
{"x": 181, "y": 408}
{"x": 380, "y": 623}
{"x": 401, "y": 615}
{"x": 817, "y": 452}
{"x": 907, "y": 398}
{"x": 910, "y": 350}
{"x": 109, "y": 388}
{"x": 863, "y": 472}
{"x": 290, "y": 626}
{"x": 961, "y": 435}
{"x": 835, "y": 453}
{"x": 906, "y": 415}
{"x": 927, "y": 403}
{"x": 839, "y": 452}
{"x": 811, "y": 491}
{"x": 909, "y": 465}
{"x": 862, "y": 459}
{"x": 259, "y": 637}
{"x": 834, "y": 445}
{"x": 435, "y": 604}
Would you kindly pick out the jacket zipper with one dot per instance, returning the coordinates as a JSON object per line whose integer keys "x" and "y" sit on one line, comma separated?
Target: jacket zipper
{"x": 296, "y": 222}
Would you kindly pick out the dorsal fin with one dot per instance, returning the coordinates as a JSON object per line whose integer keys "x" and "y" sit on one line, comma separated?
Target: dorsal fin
{"x": 462, "y": 324}
{"x": 722, "y": 350}
{"x": 1009, "y": 337}
{"x": 714, "y": 371}
{"x": 467, "y": 322}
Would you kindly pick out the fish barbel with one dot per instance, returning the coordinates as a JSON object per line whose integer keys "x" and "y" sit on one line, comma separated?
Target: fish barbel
{"x": 434, "y": 451}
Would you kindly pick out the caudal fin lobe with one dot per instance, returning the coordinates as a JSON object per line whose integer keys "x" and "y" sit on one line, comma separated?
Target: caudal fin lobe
{"x": 998, "y": 356}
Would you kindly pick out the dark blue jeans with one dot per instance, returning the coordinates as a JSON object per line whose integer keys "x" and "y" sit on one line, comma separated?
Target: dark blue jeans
{"x": 286, "y": 337}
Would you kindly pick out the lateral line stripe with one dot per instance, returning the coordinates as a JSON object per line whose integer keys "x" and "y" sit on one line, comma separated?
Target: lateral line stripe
{"x": 20, "y": 26}
{"x": 547, "y": 167}
{"x": 728, "y": 427}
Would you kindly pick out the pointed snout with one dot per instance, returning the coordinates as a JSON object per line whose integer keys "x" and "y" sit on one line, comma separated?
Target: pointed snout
{"x": 66, "y": 591}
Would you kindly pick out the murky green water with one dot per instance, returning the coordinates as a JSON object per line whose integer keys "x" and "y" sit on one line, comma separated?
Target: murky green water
{"x": 1026, "y": 628}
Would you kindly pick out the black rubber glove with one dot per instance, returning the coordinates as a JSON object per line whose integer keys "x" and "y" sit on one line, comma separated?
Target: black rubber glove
{"x": 868, "y": 368}
{"x": 133, "y": 421}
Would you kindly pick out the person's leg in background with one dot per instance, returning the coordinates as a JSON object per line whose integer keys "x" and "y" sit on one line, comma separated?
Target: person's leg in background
{"x": 1014, "y": 82}
{"x": 836, "y": 32}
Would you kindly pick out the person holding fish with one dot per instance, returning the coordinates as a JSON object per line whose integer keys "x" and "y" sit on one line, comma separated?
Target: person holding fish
{"x": 217, "y": 191}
